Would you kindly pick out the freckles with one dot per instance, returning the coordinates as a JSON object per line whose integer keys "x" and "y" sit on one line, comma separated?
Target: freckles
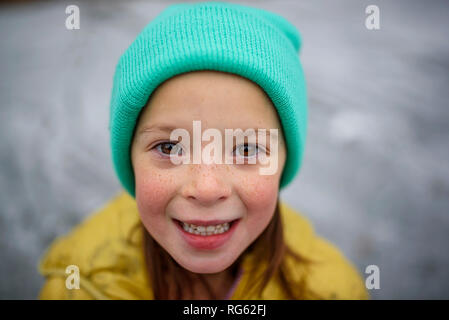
{"x": 153, "y": 193}
{"x": 153, "y": 189}
{"x": 149, "y": 186}
{"x": 260, "y": 191}
{"x": 259, "y": 196}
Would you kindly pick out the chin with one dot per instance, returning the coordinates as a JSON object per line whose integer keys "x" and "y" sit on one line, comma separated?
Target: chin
{"x": 207, "y": 267}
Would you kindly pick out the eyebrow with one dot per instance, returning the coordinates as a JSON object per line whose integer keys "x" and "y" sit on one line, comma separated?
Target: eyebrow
{"x": 153, "y": 128}
{"x": 169, "y": 128}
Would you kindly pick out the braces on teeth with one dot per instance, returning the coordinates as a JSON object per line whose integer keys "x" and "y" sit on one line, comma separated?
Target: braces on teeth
{"x": 206, "y": 230}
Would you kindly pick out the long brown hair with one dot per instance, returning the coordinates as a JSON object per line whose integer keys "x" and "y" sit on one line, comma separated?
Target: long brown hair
{"x": 269, "y": 247}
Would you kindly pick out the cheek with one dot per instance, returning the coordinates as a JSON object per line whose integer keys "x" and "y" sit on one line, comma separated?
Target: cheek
{"x": 153, "y": 193}
{"x": 151, "y": 188}
{"x": 259, "y": 190}
{"x": 260, "y": 194}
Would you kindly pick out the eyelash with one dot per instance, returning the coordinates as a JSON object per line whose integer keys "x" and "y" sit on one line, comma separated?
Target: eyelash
{"x": 160, "y": 144}
{"x": 162, "y": 154}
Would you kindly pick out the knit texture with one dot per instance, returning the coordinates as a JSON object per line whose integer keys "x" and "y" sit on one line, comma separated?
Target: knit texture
{"x": 253, "y": 43}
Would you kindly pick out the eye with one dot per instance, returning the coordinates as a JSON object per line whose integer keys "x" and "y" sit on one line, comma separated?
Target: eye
{"x": 247, "y": 150}
{"x": 166, "y": 148}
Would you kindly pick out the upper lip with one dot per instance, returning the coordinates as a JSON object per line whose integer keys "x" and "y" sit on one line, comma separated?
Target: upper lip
{"x": 206, "y": 222}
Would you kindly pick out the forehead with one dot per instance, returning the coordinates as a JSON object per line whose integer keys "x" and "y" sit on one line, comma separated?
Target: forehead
{"x": 216, "y": 98}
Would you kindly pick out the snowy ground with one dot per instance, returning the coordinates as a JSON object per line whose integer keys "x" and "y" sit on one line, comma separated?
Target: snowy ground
{"x": 375, "y": 177}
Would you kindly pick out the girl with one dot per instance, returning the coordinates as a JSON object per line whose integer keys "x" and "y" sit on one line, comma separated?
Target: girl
{"x": 214, "y": 228}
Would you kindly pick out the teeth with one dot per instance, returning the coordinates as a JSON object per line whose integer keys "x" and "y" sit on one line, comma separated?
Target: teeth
{"x": 206, "y": 231}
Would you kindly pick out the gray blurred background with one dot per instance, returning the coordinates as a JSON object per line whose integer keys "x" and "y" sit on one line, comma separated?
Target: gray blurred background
{"x": 375, "y": 177}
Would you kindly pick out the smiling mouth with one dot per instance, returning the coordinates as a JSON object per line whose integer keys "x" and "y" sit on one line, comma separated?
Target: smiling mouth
{"x": 206, "y": 230}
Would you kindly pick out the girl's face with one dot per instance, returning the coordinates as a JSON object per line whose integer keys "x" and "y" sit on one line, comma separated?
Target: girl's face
{"x": 168, "y": 194}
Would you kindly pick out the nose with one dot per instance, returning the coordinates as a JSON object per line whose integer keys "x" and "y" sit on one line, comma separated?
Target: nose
{"x": 207, "y": 185}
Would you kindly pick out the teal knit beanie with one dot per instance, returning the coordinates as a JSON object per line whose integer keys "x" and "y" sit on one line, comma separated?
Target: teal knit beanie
{"x": 253, "y": 43}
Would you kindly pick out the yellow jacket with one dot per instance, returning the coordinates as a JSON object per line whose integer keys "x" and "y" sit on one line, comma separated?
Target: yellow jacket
{"x": 107, "y": 248}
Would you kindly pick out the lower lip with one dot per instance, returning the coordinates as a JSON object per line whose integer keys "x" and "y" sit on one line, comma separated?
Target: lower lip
{"x": 211, "y": 242}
